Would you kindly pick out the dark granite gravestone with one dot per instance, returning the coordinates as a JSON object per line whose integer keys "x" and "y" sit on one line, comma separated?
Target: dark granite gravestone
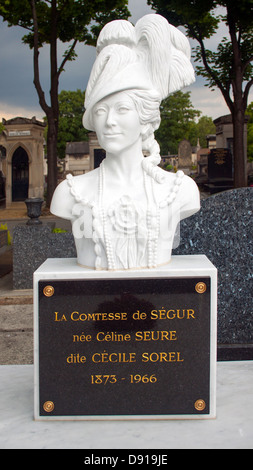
{"x": 32, "y": 245}
{"x": 219, "y": 170}
{"x": 222, "y": 230}
{"x": 3, "y": 238}
{"x": 220, "y": 164}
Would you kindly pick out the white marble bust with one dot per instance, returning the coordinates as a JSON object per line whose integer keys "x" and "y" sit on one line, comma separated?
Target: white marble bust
{"x": 125, "y": 213}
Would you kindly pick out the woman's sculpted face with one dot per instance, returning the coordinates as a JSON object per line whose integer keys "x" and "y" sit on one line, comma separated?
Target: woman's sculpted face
{"x": 117, "y": 123}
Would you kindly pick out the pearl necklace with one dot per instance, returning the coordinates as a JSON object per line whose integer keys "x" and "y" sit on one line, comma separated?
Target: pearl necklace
{"x": 174, "y": 190}
{"x": 153, "y": 221}
{"x": 108, "y": 243}
{"x": 96, "y": 232}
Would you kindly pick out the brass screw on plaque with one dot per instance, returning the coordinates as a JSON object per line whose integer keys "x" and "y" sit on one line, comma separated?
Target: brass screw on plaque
{"x": 48, "y": 406}
{"x": 200, "y": 287}
{"x": 200, "y": 405}
{"x": 48, "y": 291}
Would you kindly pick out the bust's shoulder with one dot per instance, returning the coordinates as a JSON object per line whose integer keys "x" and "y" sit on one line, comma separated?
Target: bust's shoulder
{"x": 80, "y": 180}
{"x": 72, "y": 189}
{"x": 184, "y": 190}
{"x": 178, "y": 179}
{"x": 84, "y": 185}
{"x": 169, "y": 180}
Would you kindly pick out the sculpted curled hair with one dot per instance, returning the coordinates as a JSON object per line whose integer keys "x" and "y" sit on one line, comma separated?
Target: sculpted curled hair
{"x": 147, "y": 103}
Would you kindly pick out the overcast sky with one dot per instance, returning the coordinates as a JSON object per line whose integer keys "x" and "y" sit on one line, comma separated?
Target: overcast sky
{"x": 18, "y": 96}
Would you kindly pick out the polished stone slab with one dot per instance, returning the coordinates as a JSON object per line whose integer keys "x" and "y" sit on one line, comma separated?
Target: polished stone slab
{"x": 232, "y": 429}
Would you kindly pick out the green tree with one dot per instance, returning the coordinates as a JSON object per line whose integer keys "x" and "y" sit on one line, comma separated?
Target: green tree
{"x": 71, "y": 109}
{"x": 249, "y": 113}
{"x": 177, "y": 119}
{"x": 200, "y": 130}
{"x": 51, "y": 21}
{"x": 229, "y": 67}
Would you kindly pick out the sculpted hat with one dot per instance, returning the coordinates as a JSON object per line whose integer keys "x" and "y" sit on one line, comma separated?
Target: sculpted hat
{"x": 153, "y": 55}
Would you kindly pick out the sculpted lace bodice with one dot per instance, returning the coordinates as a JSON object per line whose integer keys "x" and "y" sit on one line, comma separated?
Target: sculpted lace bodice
{"x": 128, "y": 232}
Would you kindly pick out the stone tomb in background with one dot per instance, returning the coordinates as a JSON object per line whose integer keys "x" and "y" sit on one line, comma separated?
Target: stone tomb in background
{"x": 22, "y": 143}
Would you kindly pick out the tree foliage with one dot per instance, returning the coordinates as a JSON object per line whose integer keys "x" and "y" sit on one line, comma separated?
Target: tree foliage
{"x": 179, "y": 121}
{"x": 200, "y": 130}
{"x": 71, "y": 109}
{"x": 79, "y": 20}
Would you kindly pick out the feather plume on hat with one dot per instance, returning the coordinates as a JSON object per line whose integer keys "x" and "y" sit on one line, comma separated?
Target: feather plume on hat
{"x": 151, "y": 55}
{"x": 166, "y": 52}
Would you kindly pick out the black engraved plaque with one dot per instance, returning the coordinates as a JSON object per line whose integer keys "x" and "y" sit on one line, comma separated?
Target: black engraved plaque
{"x": 133, "y": 347}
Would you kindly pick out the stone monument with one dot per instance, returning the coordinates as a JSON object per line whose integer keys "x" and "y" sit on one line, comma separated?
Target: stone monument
{"x": 107, "y": 321}
{"x": 220, "y": 170}
{"x": 185, "y": 156}
{"x": 22, "y": 143}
